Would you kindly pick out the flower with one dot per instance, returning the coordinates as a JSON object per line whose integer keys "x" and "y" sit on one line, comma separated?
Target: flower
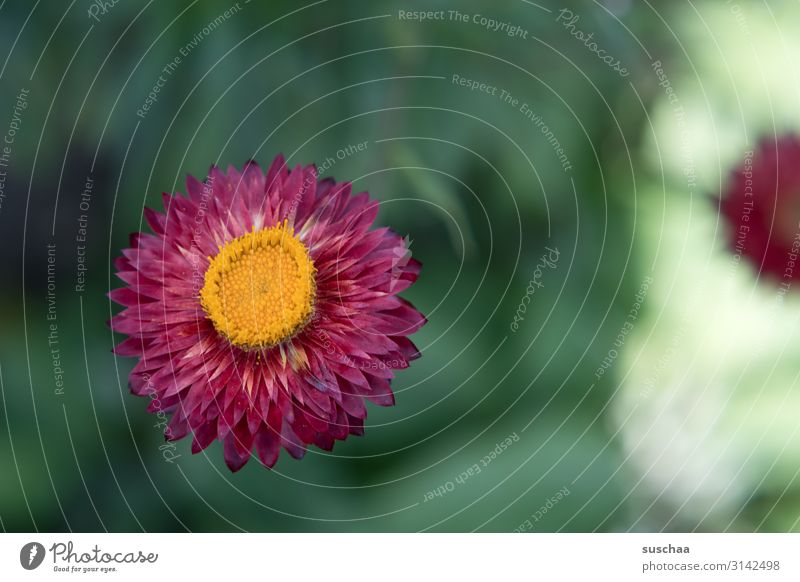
{"x": 707, "y": 396}
{"x": 762, "y": 207}
{"x": 264, "y": 311}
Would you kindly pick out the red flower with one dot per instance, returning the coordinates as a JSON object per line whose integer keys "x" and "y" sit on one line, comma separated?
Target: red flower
{"x": 264, "y": 311}
{"x": 762, "y": 208}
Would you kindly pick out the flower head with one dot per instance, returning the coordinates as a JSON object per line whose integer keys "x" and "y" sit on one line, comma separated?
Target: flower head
{"x": 264, "y": 311}
{"x": 762, "y": 207}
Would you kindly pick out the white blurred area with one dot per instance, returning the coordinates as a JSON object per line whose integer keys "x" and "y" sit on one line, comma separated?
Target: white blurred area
{"x": 708, "y": 407}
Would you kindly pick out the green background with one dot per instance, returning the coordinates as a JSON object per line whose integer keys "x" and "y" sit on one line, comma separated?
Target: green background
{"x": 475, "y": 185}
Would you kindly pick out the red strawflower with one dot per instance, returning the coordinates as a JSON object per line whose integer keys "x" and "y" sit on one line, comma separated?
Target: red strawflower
{"x": 762, "y": 207}
{"x": 264, "y": 311}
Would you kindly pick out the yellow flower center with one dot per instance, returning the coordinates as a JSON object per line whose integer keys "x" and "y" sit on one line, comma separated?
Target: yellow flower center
{"x": 259, "y": 289}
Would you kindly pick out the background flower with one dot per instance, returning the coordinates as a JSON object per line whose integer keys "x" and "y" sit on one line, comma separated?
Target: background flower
{"x": 762, "y": 208}
{"x": 708, "y": 383}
